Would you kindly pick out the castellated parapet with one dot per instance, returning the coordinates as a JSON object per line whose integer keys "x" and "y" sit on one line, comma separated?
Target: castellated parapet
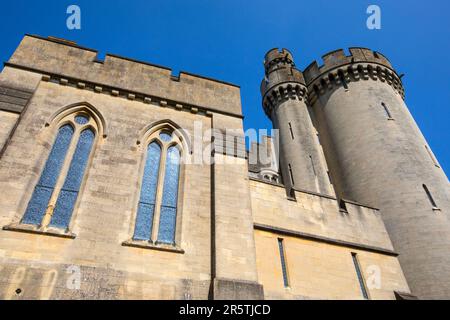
{"x": 361, "y": 64}
{"x": 282, "y": 81}
{"x": 120, "y": 76}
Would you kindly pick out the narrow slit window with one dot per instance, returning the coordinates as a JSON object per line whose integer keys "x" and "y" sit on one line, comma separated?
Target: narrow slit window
{"x": 362, "y": 284}
{"x": 291, "y": 174}
{"x": 430, "y": 197}
{"x": 433, "y": 158}
{"x": 312, "y": 165}
{"x": 386, "y": 110}
{"x": 283, "y": 263}
{"x": 290, "y": 130}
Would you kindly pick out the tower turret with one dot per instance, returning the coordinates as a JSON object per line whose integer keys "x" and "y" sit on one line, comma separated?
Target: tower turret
{"x": 284, "y": 95}
{"x": 379, "y": 157}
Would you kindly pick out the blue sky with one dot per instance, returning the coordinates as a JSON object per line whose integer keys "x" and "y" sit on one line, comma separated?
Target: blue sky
{"x": 227, "y": 40}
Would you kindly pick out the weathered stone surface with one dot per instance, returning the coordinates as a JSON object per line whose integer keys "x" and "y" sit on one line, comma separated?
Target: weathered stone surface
{"x": 225, "y": 289}
{"x": 228, "y": 225}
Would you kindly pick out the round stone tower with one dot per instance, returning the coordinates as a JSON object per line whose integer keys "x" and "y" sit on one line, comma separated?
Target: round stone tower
{"x": 284, "y": 95}
{"x": 379, "y": 157}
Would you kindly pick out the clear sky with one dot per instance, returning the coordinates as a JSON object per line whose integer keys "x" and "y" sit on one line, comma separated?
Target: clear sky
{"x": 227, "y": 40}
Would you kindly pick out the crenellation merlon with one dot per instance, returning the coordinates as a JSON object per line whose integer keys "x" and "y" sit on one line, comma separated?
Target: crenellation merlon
{"x": 68, "y": 60}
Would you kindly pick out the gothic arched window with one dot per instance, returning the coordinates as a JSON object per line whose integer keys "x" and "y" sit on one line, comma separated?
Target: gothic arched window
{"x": 156, "y": 218}
{"x": 56, "y": 193}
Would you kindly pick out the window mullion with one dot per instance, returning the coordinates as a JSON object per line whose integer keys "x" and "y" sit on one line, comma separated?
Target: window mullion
{"x": 159, "y": 192}
{"x": 61, "y": 179}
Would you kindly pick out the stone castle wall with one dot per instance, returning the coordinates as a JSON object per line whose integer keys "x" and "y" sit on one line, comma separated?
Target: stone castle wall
{"x": 229, "y": 223}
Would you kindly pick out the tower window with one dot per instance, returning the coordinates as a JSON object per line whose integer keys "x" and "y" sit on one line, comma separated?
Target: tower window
{"x": 283, "y": 262}
{"x": 291, "y": 174}
{"x": 362, "y": 284}
{"x": 432, "y": 157}
{"x": 56, "y": 193}
{"x": 156, "y": 217}
{"x": 430, "y": 197}
{"x": 312, "y": 165}
{"x": 290, "y": 130}
{"x": 387, "y": 111}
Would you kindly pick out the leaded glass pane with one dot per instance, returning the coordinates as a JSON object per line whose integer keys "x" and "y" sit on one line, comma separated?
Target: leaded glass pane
{"x": 144, "y": 222}
{"x": 144, "y": 218}
{"x": 167, "y": 221}
{"x": 44, "y": 189}
{"x": 69, "y": 192}
{"x": 64, "y": 208}
{"x": 167, "y": 224}
{"x": 38, "y": 205}
{"x": 82, "y": 119}
{"x": 166, "y": 137}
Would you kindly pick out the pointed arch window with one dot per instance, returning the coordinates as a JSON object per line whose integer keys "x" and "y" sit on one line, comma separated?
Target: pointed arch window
{"x": 55, "y": 196}
{"x": 157, "y": 211}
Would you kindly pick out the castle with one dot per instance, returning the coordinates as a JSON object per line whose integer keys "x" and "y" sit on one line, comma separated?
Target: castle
{"x": 346, "y": 201}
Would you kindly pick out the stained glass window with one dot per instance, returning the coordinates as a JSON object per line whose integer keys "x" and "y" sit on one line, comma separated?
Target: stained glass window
{"x": 82, "y": 119}
{"x": 167, "y": 220}
{"x": 46, "y": 185}
{"x": 69, "y": 192}
{"x": 159, "y": 193}
{"x": 146, "y": 207}
{"x": 164, "y": 136}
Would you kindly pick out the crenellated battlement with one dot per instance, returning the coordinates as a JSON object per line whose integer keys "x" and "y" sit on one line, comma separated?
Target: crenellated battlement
{"x": 338, "y": 58}
{"x": 282, "y": 81}
{"x": 61, "y": 58}
{"x": 276, "y": 58}
{"x": 338, "y": 69}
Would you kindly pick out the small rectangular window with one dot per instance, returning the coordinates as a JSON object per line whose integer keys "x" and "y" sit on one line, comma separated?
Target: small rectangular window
{"x": 283, "y": 262}
{"x": 362, "y": 284}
